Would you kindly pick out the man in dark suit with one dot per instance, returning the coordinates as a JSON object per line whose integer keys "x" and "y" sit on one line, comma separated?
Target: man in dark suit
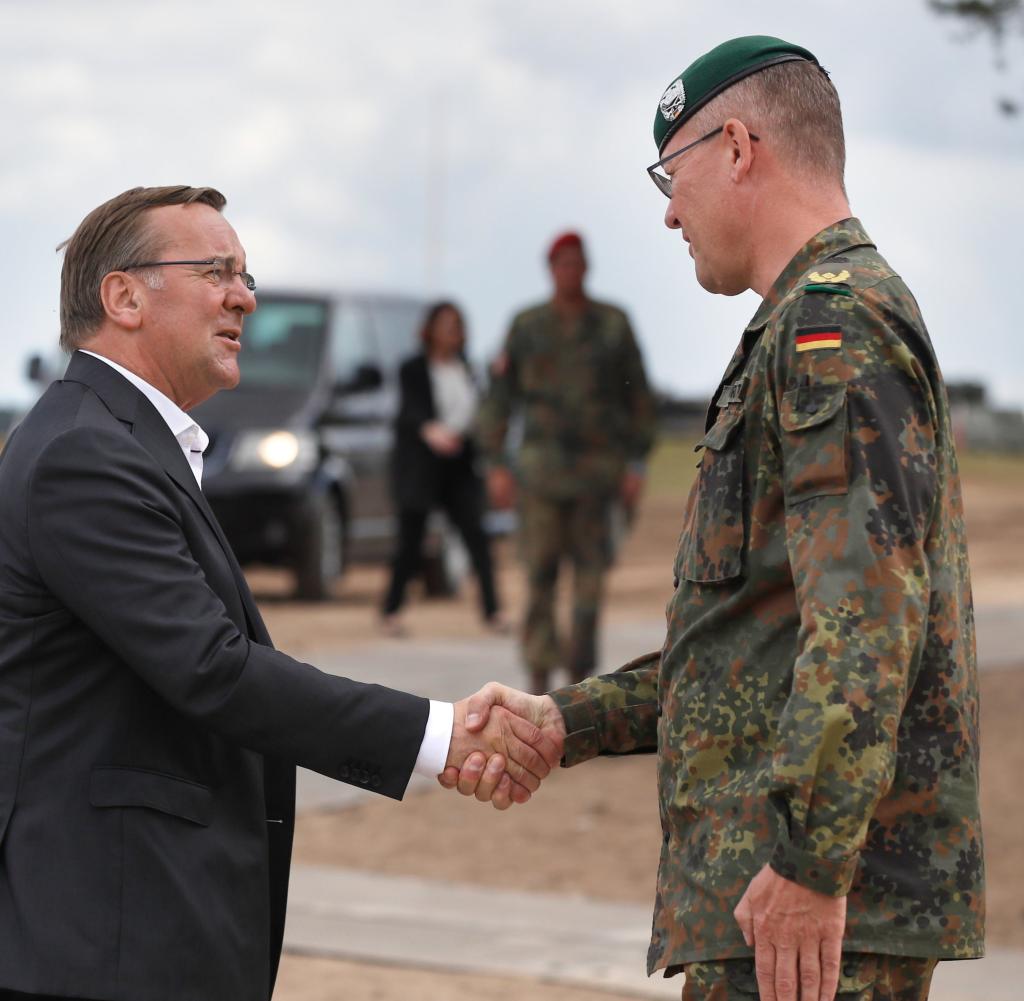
{"x": 149, "y": 732}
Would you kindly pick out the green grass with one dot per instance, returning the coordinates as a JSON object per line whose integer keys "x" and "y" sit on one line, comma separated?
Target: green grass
{"x": 672, "y": 467}
{"x": 992, "y": 466}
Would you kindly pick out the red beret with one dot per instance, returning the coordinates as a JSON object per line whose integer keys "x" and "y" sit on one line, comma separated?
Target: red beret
{"x": 564, "y": 240}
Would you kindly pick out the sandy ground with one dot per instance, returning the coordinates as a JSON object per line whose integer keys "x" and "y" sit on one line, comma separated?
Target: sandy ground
{"x": 594, "y": 830}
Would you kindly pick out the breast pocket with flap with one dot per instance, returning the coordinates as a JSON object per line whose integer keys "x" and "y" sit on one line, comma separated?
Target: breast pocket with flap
{"x": 711, "y": 548}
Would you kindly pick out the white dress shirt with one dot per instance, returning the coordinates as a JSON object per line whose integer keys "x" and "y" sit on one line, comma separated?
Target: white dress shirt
{"x": 191, "y": 437}
{"x": 455, "y": 395}
{"x": 194, "y": 441}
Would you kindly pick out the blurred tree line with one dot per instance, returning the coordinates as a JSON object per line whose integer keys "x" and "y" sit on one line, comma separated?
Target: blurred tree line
{"x": 1000, "y": 21}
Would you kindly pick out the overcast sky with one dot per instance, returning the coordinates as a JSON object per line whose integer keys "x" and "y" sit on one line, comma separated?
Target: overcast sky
{"x": 435, "y": 147}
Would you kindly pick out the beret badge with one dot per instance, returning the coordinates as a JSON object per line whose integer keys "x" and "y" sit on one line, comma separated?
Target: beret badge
{"x": 673, "y": 100}
{"x": 716, "y": 71}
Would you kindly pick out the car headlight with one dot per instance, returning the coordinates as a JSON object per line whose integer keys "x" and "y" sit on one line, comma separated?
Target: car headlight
{"x": 294, "y": 451}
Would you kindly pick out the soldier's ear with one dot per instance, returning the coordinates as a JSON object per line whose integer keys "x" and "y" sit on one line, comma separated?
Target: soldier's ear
{"x": 740, "y": 147}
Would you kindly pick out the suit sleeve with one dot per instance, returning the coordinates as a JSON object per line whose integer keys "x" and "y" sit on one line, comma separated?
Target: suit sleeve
{"x": 414, "y": 405}
{"x": 613, "y": 714}
{"x": 108, "y": 542}
{"x": 856, "y": 434}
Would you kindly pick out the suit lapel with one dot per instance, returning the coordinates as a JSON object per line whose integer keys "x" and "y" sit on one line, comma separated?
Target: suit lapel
{"x": 131, "y": 407}
{"x": 424, "y": 387}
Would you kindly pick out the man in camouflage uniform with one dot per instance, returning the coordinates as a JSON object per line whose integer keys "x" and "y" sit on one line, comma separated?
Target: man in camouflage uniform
{"x": 571, "y": 366}
{"x": 815, "y": 704}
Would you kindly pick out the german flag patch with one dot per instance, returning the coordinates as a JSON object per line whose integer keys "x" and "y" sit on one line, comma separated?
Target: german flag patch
{"x": 812, "y": 338}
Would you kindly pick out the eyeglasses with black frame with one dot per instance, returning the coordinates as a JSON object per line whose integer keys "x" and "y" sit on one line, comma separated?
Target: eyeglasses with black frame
{"x": 663, "y": 182}
{"x": 220, "y": 264}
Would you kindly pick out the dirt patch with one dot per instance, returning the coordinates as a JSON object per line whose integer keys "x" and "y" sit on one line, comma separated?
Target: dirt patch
{"x": 1002, "y": 806}
{"x": 590, "y": 831}
{"x": 593, "y": 830}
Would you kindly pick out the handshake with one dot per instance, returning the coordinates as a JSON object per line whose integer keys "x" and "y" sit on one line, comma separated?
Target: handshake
{"x": 504, "y": 743}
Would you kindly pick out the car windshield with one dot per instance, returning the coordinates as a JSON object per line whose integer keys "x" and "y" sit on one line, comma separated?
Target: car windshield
{"x": 282, "y": 344}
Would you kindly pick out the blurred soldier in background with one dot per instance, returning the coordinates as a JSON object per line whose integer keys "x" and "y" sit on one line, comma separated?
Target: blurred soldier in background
{"x": 572, "y": 368}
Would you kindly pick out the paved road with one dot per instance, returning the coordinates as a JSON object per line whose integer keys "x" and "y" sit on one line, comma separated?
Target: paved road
{"x": 448, "y": 670}
{"x": 408, "y": 921}
{"x": 1000, "y": 631}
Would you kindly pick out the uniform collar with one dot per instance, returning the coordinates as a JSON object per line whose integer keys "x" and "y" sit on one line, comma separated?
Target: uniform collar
{"x": 835, "y": 239}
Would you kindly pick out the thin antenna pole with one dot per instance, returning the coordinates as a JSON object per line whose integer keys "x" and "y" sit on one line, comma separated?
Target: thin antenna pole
{"x": 436, "y": 174}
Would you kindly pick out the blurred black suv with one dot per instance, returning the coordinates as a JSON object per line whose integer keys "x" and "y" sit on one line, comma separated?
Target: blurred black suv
{"x": 297, "y": 468}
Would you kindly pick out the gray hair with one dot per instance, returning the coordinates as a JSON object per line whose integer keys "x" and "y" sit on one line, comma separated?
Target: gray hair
{"x": 153, "y": 277}
{"x": 793, "y": 105}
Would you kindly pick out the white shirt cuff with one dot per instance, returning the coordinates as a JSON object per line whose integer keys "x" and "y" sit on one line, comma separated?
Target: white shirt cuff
{"x": 437, "y": 738}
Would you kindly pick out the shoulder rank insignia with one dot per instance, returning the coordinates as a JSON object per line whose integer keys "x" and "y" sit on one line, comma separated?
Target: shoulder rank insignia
{"x": 813, "y": 338}
{"x": 830, "y": 288}
{"x": 829, "y": 277}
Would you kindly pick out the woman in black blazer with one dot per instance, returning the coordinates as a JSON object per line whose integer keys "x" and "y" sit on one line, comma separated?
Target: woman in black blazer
{"x": 433, "y": 463}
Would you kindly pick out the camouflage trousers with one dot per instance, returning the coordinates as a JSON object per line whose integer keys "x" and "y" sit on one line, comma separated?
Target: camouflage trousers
{"x": 862, "y": 977}
{"x": 551, "y": 530}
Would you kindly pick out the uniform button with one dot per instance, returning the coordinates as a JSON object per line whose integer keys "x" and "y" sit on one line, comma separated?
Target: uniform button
{"x": 850, "y": 970}
{"x": 665, "y": 837}
{"x": 659, "y": 709}
{"x": 675, "y": 582}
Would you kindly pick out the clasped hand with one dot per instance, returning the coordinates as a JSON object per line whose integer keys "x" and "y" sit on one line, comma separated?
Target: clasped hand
{"x": 441, "y": 439}
{"x": 504, "y": 743}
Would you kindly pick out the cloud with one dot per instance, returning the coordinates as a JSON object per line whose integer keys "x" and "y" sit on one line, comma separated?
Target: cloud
{"x": 944, "y": 221}
{"x": 437, "y": 147}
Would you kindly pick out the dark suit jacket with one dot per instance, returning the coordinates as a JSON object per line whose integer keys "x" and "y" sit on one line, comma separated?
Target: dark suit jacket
{"x": 416, "y": 470}
{"x": 148, "y": 730}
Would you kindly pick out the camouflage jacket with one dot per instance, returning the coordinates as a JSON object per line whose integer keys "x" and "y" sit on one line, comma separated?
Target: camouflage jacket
{"x": 583, "y": 397}
{"x": 815, "y": 704}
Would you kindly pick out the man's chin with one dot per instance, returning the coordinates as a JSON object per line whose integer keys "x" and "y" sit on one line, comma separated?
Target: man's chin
{"x": 226, "y": 376}
{"x": 717, "y": 285}
{"x": 706, "y": 280}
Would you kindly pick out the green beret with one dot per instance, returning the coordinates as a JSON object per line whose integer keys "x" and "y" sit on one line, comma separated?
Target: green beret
{"x": 714, "y": 72}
